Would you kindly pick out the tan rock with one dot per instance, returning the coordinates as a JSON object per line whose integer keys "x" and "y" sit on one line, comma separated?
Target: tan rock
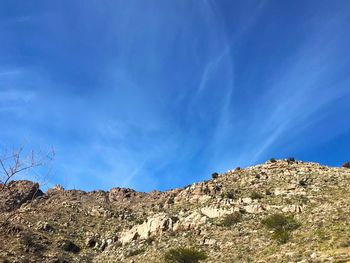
{"x": 213, "y": 212}
{"x": 253, "y": 209}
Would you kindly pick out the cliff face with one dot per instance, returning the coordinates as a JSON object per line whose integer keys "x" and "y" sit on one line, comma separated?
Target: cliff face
{"x": 226, "y": 217}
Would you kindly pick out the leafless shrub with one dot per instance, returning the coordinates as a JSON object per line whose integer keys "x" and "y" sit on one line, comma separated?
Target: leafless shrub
{"x": 19, "y": 161}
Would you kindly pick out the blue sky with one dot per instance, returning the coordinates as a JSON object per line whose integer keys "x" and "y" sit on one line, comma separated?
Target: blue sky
{"x": 160, "y": 94}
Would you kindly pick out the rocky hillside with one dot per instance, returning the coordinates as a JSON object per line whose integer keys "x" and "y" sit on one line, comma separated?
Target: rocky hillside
{"x": 280, "y": 211}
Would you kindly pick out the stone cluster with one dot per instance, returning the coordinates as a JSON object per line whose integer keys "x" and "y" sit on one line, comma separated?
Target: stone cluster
{"x": 123, "y": 225}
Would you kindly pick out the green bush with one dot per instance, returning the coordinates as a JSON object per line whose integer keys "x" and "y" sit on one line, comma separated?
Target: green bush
{"x": 291, "y": 160}
{"x": 346, "y": 165}
{"x": 214, "y": 175}
{"x": 268, "y": 192}
{"x": 184, "y": 255}
{"x": 69, "y": 246}
{"x": 273, "y": 160}
{"x": 282, "y": 226}
{"x": 256, "y": 195}
{"x": 27, "y": 240}
{"x": 232, "y": 219}
{"x": 280, "y": 222}
{"x": 228, "y": 194}
{"x": 31, "y": 243}
{"x": 281, "y": 237}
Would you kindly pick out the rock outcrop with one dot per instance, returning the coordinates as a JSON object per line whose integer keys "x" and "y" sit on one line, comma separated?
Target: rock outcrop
{"x": 16, "y": 193}
{"x": 222, "y": 216}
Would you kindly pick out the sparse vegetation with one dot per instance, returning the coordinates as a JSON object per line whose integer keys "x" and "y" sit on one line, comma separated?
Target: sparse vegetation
{"x": 139, "y": 221}
{"x": 228, "y": 194}
{"x": 194, "y": 220}
{"x": 281, "y": 237}
{"x": 268, "y": 192}
{"x": 256, "y": 195}
{"x": 27, "y": 240}
{"x": 290, "y": 159}
{"x": 280, "y": 222}
{"x": 150, "y": 240}
{"x": 303, "y": 182}
{"x": 184, "y": 255}
{"x": 69, "y": 246}
{"x": 19, "y": 161}
{"x": 214, "y": 175}
{"x": 273, "y": 160}
{"x": 282, "y": 225}
{"x": 232, "y": 219}
{"x": 346, "y": 165}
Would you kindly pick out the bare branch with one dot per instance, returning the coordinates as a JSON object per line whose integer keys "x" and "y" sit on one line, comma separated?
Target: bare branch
{"x": 18, "y": 162}
{"x": 3, "y": 167}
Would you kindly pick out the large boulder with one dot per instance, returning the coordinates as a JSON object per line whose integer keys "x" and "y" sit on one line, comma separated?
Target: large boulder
{"x": 17, "y": 193}
{"x": 152, "y": 226}
{"x": 214, "y": 212}
{"x": 119, "y": 194}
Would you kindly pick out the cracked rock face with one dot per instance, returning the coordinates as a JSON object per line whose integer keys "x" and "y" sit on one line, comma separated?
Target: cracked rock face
{"x": 152, "y": 226}
{"x": 222, "y": 216}
{"x": 17, "y": 193}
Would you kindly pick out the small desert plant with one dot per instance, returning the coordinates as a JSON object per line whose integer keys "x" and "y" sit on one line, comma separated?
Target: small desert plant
{"x": 281, "y": 237}
{"x": 280, "y": 222}
{"x": 303, "y": 182}
{"x": 273, "y": 160}
{"x": 228, "y": 194}
{"x": 69, "y": 246}
{"x": 214, "y": 175}
{"x": 31, "y": 244}
{"x": 139, "y": 221}
{"x": 237, "y": 168}
{"x": 345, "y": 243}
{"x": 184, "y": 255}
{"x": 27, "y": 240}
{"x": 346, "y": 165}
{"x": 150, "y": 240}
{"x": 19, "y": 161}
{"x": 281, "y": 225}
{"x": 232, "y": 219}
{"x": 256, "y": 195}
{"x": 290, "y": 159}
{"x": 268, "y": 192}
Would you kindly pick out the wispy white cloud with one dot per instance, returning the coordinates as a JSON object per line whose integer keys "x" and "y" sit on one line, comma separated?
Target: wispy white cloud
{"x": 157, "y": 107}
{"x": 300, "y": 95}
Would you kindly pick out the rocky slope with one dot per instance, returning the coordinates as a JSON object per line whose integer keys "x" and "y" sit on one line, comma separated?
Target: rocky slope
{"x": 224, "y": 217}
